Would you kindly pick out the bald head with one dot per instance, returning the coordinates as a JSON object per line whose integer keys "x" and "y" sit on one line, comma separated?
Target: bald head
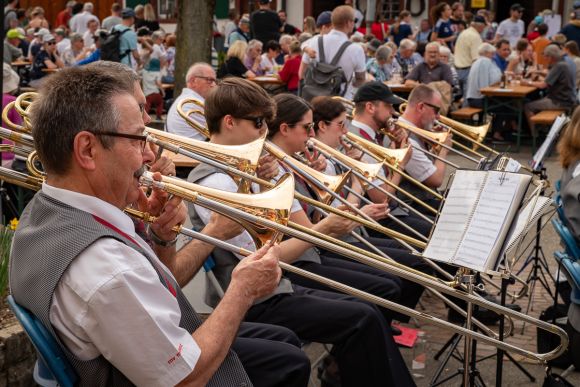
{"x": 200, "y": 78}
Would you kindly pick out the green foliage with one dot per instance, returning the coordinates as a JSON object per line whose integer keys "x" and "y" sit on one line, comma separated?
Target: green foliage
{"x": 6, "y": 235}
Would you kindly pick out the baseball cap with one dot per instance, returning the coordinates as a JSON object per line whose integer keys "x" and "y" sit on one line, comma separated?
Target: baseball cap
{"x": 376, "y": 91}
{"x": 48, "y": 38}
{"x": 265, "y": 1}
{"x": 14, "y": 33}
{"x": 126, "y": 13}
{"x": 517, "y": 7}
{"x": 323, "y": 19}
{"x": 479, "y": 19}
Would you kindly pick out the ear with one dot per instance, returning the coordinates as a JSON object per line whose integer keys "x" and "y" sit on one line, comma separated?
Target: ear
{"x": 284, "y": 129}
{"x": 322, "y": 126}
{"x": 228, "y": 123}
{"x": 85, "y": 150}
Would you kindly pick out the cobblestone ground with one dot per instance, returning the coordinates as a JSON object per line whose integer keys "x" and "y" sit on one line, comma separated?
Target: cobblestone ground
{"x": 523, "y": 337}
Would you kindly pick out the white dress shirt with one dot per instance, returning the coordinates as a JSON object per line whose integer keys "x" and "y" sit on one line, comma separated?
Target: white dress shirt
{"x": 419, "y": 166}
{"x": 110, "y": 302}
{"x": 357, "y": 127}
{"x": 177, "y": 125}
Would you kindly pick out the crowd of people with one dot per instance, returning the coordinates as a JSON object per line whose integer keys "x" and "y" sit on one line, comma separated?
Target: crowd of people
{"x": 109, "y": 287}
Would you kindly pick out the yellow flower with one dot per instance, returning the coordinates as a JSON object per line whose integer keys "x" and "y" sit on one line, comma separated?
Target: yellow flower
{"x": 13, "y": 224}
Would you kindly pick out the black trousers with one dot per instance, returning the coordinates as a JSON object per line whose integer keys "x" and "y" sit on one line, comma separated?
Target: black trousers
{"x": 410, "y": 291}
{"x": 357, "y": 275}
{"x": 271, "y": 355}
{"x": 416, "y": 222}
{"x": 365, "y": 351}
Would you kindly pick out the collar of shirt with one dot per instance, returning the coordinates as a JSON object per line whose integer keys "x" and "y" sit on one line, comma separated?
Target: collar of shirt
{"x": 338, "y": 34}
{"x": 188, "y": 93}
{"x": 365, "y": 128}
{"x": 94, "y": 206}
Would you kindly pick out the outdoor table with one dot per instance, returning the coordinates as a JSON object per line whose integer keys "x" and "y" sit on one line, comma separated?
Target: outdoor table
{"x": 511, "y": 98}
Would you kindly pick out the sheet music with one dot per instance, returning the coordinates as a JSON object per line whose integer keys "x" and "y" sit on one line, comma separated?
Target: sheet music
{"x": 524, "y": 222}
{"x": 548, "y": 142}
{"x": 455, "y": 216}
{"x": 489, "y": 217}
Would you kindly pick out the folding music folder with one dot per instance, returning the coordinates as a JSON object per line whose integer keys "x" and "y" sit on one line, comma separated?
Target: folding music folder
{"x": 477, "y": 218}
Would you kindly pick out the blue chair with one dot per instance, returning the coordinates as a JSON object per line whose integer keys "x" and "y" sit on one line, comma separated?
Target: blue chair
{"x": 572, "y": 270}
{"x": 51, "y": 358}
{"x": 208, "y": 266}
{"x": 567, "y": 239}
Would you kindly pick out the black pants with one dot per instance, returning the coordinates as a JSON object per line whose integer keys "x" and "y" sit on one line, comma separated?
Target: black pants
{"x": 414, "y": 221}
{"x": 357, "y": 275}
{"x": 271, "y": 355}
{"x": 410, "y": 291}
{"x": 365, "y": 351}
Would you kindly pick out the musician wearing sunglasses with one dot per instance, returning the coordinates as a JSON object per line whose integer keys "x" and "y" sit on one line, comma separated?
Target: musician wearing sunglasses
{"x": 46, "y": 59}
{"x": 237, "y": 112}
{"x": 78, "y": 265}
{"x": 422, "y": 111}
{"x": 373, "y": 108}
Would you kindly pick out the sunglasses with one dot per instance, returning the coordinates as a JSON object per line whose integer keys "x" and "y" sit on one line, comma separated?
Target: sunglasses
{"x": 308, "y": 127}
{"x": 51, "y": 43}
{"x": 435, "y": 108}
{"x": 341, "y": 124}
{"x": 258, "y": 121}
{"x": 139, "y": 137}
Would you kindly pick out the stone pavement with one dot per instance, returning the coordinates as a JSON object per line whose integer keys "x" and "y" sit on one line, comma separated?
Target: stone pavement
{"x": 436, "y": 337}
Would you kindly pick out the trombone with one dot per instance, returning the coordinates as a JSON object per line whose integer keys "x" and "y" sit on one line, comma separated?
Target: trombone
{"x": 237, "y": 207}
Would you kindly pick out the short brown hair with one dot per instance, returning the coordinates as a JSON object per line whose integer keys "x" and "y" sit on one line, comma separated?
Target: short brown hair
{"x": 569, "y": 144}
{"x": 325, "y": 108}
{"x": 341, "y": 15}
{"x": 421, "y": 93}
{"x": 73, "y": 100}
{"x": 239, "y": 98}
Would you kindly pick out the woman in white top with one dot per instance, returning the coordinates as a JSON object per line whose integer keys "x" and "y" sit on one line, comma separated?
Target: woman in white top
{"x": 521, "y": 62}
{"x": 271, "y": 51}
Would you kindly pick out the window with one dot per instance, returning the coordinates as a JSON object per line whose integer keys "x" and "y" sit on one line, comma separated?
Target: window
{"x": 167, "y": 9}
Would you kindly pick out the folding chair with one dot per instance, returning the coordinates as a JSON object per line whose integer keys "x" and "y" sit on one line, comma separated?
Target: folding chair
{"x": 52, "y": 367}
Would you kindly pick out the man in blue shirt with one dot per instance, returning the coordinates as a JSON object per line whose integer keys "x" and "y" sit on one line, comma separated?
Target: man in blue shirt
{"x": 502, "y": 52}
{"x": 128, "y": 40}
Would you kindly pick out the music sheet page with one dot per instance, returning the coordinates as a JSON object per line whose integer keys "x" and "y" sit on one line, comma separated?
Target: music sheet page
{"x": 488, "y": 227}
{"x": 454, "y": 218}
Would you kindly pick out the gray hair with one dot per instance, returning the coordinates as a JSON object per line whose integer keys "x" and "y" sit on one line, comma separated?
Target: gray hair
{"x": 88, "y": 6}
{"x": 75, "y": 37}
{"x": 444, "y": 50}
{"x": 304, "y": 37}
{"x": 157, "y": 35}
{"x": 122, "y": 69}
{"x": 194, "y": 69}
{"x": 431, "y": 45}
{"x": 383, "y": 53}
{"x": 73, "y": 100}
{"x": 285, "y": 39}
{"x": 553, "y": 51}
{"x": 485, "y": 49}
{"x": 407, "y": 44}
{"x": 254, "y": 43}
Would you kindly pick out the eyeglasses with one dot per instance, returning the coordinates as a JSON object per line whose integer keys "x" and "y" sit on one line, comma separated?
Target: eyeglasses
{"x": 435, "y": 108}
{"x": 139, "y": 137}
{"x": 308, "y": 127}
{"x": 341, "y": 124}
{"x": 209, "y": 80}
{"x": 51, "y": 43}
{"x": 258, "y": 121}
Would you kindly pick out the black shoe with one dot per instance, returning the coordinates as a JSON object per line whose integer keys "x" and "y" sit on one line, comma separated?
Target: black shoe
{"x": 395, "y": 331}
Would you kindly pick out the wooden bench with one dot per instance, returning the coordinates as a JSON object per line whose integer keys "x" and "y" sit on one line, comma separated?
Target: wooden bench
{"x": 546, "y": 117}
{"x": 466, "y": 113}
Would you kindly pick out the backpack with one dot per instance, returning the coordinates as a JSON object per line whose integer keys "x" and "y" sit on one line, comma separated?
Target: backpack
{"x": 323, "y": 78}
{"x": 111, "y": 46}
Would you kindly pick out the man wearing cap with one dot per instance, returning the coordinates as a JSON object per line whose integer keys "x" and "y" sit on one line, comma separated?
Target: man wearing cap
{"x": 466, "y": 50}
{"x": 11, "y": 43}
{"x": 128, "y": 40}
{"x": 324, "y": 25}
{"x": 353, "y": 60}
{"x": 45, "y": 59}
{"x": 265, "y": 24}
{"x": 572, "y": 29}
{"x": 373, "y": 108}
{"x": 513, "y": 28}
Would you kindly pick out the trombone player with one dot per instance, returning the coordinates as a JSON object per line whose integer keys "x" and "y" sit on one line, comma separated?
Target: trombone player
{"x": 79, "y": 266}
{"x": 422, "y": 111}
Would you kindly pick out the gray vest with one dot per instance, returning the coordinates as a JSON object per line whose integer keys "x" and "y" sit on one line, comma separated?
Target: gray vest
{"x": 225, "y": 262}
{"x": 410, "y": 187}
{"x": 50, "y": 235}
{"x": 570, "y": 193}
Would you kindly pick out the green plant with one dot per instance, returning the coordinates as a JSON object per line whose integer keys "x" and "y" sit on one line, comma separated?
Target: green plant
{"x": 6, "y": 234}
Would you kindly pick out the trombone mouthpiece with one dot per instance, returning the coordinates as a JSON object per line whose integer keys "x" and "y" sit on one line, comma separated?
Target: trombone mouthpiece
{"x": 310, "y": 145}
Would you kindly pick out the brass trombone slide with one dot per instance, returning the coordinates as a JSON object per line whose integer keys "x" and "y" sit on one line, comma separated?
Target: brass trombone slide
{"x": 195, "y": 193}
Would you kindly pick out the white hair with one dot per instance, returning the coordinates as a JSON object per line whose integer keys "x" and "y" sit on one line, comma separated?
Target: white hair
{"x": 444, "y": 50}
{"x": 431, "y": 45}
{"x": 407, "y": 44}
{"x": 485, "y": 49}
{"x": 383, "y": 53}
{"x": 194, "y": 69}
{"x": 285, "y": 39}
{"x": 88, "y": 7}
{"x": 254, "y": 43}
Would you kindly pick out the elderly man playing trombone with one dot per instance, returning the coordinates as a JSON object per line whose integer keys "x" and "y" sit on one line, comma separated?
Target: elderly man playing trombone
{"x": 79, "y": 266}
